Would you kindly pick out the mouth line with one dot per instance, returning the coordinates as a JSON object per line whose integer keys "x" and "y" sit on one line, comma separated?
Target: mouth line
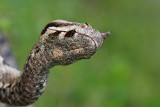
{"x": 96, "y": 47}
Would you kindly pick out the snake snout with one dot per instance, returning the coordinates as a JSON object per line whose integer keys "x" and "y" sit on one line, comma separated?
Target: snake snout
{"x": 99, "y": 38}
{"x": 105, "y": 34}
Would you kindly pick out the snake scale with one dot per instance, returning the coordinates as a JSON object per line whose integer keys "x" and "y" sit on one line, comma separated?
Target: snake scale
{"x": 60, "y": 43}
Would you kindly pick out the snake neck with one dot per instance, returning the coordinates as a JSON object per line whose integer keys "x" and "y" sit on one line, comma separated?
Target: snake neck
{"x": 6, "y": 53}
{"x": 35, "y": 74}
{"x": 32, "y": 82}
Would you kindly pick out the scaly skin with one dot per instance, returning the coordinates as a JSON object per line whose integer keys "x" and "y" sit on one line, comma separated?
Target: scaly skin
{"x": 61, "y": 43}
{"x": 6, "y": 53}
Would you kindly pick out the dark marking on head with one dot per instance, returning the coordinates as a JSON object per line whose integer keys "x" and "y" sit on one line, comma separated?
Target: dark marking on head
{"x": 53, "y": 35}
{"x": 87, "y": 24}
{"x": 70, "y": 33}
{"x": 55, "y": 24}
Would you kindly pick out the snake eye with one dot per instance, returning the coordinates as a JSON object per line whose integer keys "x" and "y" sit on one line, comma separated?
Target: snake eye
{"x": 70, "y": 33}
{"x": 53, "y": 35}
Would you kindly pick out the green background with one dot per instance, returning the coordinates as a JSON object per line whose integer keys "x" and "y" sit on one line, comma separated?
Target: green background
{"x": 125, "y": 72}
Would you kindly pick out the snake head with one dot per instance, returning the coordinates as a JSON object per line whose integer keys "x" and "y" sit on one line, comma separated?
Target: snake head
{"x": 71, "y": 41}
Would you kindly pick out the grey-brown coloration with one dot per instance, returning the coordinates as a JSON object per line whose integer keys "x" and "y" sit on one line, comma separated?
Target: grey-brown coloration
{"x": 6, "y": 53}
{"x": 61, "y": 43}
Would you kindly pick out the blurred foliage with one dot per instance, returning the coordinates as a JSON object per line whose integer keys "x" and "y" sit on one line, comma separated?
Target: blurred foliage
{"x": 125, "y": 72}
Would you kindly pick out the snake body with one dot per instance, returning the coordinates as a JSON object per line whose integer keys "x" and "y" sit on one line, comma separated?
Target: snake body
{"x": 6, "y": 53}
{"x": 61, "y": 43}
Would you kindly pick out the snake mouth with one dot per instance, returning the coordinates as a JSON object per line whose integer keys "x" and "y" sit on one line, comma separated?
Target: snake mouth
{"x": 95, "y": 43}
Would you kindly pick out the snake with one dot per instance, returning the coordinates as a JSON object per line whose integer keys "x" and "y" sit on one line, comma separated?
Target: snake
{"x": 60, "y": 43}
